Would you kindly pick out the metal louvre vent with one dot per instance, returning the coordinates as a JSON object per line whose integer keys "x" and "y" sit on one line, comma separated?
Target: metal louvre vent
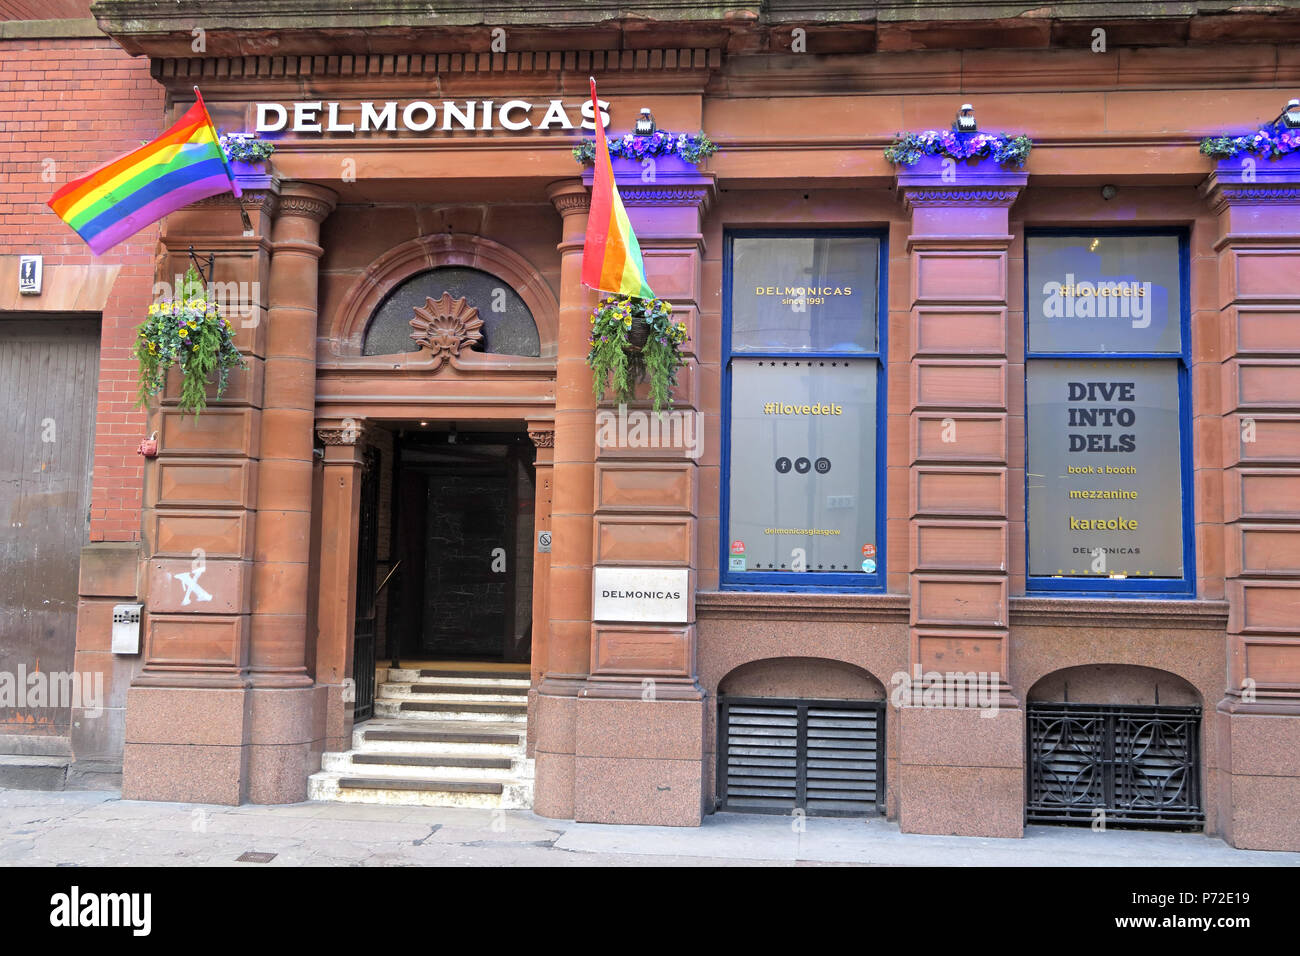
{"x": 822, "y": 756}
{"x": 1141, "y": 765}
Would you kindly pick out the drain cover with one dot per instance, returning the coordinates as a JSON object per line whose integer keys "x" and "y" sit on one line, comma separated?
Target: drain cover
{"x": 256, "y": 856}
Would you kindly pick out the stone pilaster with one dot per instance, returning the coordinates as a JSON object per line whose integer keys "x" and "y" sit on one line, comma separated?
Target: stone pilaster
{"x": 641, "y": 718}
{"x": 282, "y": 694}
{"x": 1258, "y": 720}
{"x": 542, "y": 434}
{"x": 961, "y": 768}
{"x": 345, "y": 444}
{"x": 569, "y": 575}
{"x": 186, "y": 726}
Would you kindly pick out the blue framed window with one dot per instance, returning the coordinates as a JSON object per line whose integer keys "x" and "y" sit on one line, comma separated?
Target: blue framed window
{"x": 803, "y": 404}
{"x": 1108, "y": 477}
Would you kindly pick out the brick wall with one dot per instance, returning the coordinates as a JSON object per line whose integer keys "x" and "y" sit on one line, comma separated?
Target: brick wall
{"x": 67, "y": 106}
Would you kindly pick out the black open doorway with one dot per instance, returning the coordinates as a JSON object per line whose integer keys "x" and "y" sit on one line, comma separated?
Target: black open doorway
{"x": 462, "y": 530}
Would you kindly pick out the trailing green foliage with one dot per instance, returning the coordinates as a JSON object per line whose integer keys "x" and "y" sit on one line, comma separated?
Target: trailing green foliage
{"x": 618, "y": 364}
{"x": 692, "y": 148}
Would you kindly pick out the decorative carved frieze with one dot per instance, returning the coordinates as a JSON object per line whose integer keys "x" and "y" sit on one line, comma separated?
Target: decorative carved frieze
{"x": 347, "y": 432}
{"x": 446, "y": 326}
{"x": 567, "y": 202}
{"x": 543, "y": 439}
{"x": 264, "y": 200}
{"x": 959, "y": 196}
{"x": 664, "y": 196}
{"x": 305, "y": 206}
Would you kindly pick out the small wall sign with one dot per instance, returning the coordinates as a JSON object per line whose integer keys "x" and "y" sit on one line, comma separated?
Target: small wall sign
{"x": 543, "y": 542}
{"x": 30, "y": 269}
{"x": 640, "y": 594}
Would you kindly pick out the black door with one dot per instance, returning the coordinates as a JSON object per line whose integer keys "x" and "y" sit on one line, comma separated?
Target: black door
{"x": 464, "y": 541}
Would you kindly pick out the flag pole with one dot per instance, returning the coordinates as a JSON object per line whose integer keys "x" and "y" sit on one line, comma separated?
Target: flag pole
{"x": 234, "y": 186}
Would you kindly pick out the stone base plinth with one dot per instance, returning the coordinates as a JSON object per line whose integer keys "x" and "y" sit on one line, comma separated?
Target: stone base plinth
{"x": 961, "y": 771}
{"x": 186, "y": 744}
{"x": 639, "y": 761}
{"x": 222, "y": 745}
{"x": 281, "y": 742}
{"x": 555, "y": 715}
{"x": 1258, "y": 780}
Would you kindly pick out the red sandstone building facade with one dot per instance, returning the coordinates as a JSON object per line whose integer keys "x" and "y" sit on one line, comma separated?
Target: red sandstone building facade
{"x": 824, "y": 569}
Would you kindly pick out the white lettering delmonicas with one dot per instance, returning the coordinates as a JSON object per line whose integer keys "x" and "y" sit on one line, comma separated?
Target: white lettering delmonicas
{"x": 385, "y": 119}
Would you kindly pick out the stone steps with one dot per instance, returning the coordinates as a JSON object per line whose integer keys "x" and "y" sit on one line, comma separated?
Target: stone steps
{"x": 451, "y": 710}
{"x": 441, "y": 737}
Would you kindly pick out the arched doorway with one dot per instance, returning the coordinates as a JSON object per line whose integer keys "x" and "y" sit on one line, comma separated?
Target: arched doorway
{"x": 437, "y": 364}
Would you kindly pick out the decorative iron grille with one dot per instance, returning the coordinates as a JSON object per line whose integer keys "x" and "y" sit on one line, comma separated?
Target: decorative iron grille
{"x": 825, "y": 757}
{"x": 1129, "y": 765}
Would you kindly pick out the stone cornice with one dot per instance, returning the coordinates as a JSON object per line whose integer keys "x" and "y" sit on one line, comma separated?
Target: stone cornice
{"x": 1221, "y": 196}
{"x": 802, "y": 606}
{"x": 1108, "y": 613}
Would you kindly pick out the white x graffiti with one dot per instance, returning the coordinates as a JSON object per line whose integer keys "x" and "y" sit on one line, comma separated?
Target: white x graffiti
{"x": 190, "y": 579}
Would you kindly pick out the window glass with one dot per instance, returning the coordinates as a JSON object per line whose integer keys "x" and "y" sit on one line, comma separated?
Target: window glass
{"x": 803, "y": 465}
{"x": 1104, "y": 294}
{"x": 804, "y": 293}
{"x": 1105, "y": 469}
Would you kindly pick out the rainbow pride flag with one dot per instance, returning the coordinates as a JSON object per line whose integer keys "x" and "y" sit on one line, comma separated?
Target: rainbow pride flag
{"x": 114, "y": 202}
{"x": 611, "y": 256}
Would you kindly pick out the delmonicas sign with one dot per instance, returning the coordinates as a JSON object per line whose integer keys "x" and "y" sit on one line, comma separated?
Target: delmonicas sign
{"x": 421, "y": 116}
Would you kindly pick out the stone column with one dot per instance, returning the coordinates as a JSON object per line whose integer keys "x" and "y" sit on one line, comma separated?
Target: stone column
{"x": 337, "y": 601}
{"x": 186, "y": 727}
{"x": 542, "y": 434}
{"x": 569, "y": 576}
{"x": 961, "y": 768}
{"x": 281, "y": 690}
{"x": 1257, "y": 784}
{"x": 641, "y": 718}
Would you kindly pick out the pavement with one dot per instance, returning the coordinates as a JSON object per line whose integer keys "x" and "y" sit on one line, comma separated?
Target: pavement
{"x": 97, "y": 828}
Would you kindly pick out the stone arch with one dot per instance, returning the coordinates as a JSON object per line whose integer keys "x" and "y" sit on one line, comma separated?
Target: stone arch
{"x": 1113, "y": 683}
{"x": 801, "y": 677}
{"x": 346, "y": 331}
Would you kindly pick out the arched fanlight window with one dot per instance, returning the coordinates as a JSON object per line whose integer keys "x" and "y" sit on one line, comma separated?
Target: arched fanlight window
{"x": 508, "y": 326}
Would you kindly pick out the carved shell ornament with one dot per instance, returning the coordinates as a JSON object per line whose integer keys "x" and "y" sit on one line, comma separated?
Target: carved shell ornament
{"x": 446, "y": 326}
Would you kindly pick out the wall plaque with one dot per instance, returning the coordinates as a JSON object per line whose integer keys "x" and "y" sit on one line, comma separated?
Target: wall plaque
{"x": 659, "y": 595}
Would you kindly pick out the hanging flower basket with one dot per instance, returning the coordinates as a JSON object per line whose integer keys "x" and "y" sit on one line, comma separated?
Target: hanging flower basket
{"x": 635, "y": 340}
{"x": 190, "y": 333}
